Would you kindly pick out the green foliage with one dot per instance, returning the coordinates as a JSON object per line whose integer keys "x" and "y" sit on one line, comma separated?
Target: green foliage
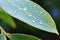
{"x": 27, "y": 12}
{"x": 16, "y": 36}
{"x": 6, "y": 18}
{"x": 22, "y": 37}
{"x": 30, "y": 13}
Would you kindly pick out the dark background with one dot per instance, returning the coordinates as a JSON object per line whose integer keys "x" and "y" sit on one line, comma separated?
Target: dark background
{"x": 53, "y": 7}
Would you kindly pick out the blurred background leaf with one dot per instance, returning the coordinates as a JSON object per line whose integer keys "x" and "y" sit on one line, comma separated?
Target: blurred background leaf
{"x": 22, "y": 37}
{"x": 7, "y": 18}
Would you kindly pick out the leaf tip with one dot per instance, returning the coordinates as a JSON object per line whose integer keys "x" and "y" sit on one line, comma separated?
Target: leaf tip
{"x": 57, "y": 33}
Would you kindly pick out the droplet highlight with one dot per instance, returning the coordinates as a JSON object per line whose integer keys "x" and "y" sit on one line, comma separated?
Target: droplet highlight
{"x": 41, "y": 12}
{"x": 25, "y": 9}
{"x": 33, "y": 20}
{"x": 30, "y": 15}
{"x": 15, "y": 11}
{"x": 40, "y": 22}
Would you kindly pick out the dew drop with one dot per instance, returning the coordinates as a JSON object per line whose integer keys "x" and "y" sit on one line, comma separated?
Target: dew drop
{"x": 40, "y": 22}
{"x": 25, "y": 9}
{"x": 41, "y": 12}
{"x": 15, "y": 11}
{"x": 30, "y": 15}
{"x": 33, "y": 20}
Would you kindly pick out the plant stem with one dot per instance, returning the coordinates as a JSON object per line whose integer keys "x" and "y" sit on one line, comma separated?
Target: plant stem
{"x": 3, "y": 32}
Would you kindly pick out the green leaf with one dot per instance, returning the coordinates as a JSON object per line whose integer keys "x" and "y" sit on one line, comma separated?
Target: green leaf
{"x": 6, "y": 18}
{"x": 30, "y": 13}
{"x": 22, "y": 37}
{"x": 2, "y": 37}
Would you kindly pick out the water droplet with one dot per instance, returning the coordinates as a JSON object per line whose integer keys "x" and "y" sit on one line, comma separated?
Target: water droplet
{"x": 15, "y": 11}
{"x": 25, "y": 9}
{"x": 41, "y": 12}
{"x": 33, "y": 20}
{"x": 30, "y": 15}
{"x": 40, "y": 22}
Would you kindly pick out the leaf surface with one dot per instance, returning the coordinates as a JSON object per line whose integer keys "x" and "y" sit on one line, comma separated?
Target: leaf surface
{"x": 22, "y": 37}
{"x": 30, "y": 13}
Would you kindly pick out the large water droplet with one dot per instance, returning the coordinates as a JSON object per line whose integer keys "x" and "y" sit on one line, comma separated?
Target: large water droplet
{"x": 33, "y": 20}
{"x": 40, "y": 22}
{"x": 25, "y": 9}
{"x": 41, "y": 12}
{"x": 30, "y": 15}
{"x": 15, "y": 11}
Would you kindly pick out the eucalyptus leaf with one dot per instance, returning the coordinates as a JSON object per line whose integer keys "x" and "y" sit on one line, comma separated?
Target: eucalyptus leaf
{"x": 2, "y": 37}
{"x": 22, "y": 37}
{"x": 30, "y": 13}
{"x": 7, "y": 18}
